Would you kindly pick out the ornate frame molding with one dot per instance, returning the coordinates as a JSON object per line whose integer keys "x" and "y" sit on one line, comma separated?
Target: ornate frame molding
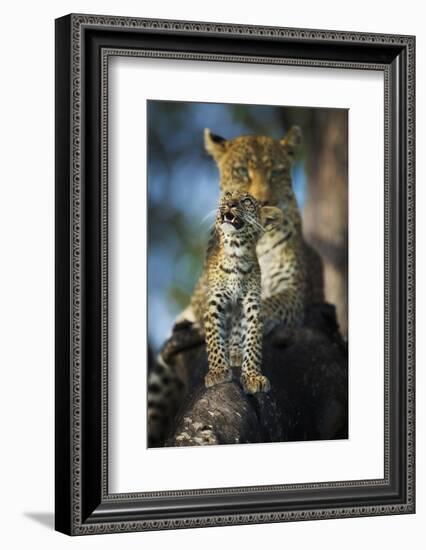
{"x": 84, "y": 508}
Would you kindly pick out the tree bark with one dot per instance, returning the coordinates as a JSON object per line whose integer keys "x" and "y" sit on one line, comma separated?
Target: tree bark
{"x": 325, "y": 216}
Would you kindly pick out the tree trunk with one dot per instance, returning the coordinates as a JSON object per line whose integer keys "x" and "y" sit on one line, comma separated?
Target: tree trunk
{"x": 325, "y": 216}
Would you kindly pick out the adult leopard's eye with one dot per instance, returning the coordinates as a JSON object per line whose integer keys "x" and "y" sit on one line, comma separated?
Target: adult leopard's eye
{"x": 277, "y": 172}
{"x": 241, "y": 172}
{"x": 247, "y": 202}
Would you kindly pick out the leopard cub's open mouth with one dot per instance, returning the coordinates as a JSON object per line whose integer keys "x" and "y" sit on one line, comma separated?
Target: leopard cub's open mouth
{"x": 235, "y": 221}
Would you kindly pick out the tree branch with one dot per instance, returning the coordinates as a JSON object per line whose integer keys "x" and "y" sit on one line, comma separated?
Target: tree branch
{"x": 307, "y": 368}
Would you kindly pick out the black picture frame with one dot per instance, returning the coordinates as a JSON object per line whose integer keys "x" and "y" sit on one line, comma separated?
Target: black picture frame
{"x": 83, "y": 45}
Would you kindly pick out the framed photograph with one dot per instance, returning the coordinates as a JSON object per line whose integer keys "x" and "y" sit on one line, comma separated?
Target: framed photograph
{"x": 234, "y": 274}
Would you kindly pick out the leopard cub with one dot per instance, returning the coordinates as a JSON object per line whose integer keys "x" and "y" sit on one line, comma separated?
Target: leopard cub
{"x": 227, "y": 300}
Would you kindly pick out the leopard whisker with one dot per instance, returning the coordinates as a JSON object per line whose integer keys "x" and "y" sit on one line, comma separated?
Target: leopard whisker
{"x": 254, "y": 223}
{"x": 209, "y": 215}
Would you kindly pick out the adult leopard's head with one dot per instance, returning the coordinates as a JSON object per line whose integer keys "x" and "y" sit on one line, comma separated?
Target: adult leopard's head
{"x": 258, "y": 165}
{"x": 240, "y": 214}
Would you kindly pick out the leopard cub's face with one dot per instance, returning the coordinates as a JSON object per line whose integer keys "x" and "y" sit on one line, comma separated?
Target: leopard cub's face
{"x": 239, "y": 214}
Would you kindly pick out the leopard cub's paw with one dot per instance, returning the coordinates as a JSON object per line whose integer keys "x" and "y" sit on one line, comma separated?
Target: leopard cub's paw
{"x": 254, "y": 383}
{"x": 217, "y": 376}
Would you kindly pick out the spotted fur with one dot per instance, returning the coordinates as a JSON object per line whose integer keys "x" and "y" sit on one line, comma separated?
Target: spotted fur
{"x": 291, "y": 270}
{"x": 227, "y": 302}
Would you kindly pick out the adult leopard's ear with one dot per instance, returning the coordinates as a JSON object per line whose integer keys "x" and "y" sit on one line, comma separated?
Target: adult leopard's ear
{"x": 292, "y": 141}
{"x": 270, "y": 217}
{"x": 215, "y": 145}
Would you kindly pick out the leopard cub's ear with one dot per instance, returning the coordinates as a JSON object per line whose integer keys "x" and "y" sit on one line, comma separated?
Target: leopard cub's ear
{"x": 215, "y": 145}
{"x": 270, "y": 217}
{"x": 292, "y": 141}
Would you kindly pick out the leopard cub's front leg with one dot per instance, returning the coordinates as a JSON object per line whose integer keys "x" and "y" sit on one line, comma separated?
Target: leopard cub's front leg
{"x": 252, "y": 379}
{"x": 215, "y": 326}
